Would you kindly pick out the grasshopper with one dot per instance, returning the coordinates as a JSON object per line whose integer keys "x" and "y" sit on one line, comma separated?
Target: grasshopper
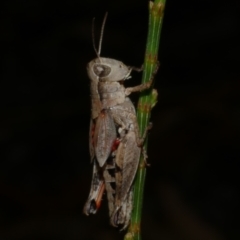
{"x": 113, "y": 122}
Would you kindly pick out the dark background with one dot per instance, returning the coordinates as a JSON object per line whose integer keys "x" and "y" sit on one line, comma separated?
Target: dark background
{"x": 192, "y": 188}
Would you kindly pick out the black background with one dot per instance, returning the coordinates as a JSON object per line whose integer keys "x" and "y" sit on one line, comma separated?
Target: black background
{"x": 192, "y": 188}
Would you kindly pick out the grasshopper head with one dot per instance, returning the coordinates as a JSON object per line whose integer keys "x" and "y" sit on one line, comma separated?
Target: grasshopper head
{"x": 108, "y": 69}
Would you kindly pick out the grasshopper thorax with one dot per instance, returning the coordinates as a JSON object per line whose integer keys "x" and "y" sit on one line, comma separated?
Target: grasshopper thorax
{"x": 108, "y": 69}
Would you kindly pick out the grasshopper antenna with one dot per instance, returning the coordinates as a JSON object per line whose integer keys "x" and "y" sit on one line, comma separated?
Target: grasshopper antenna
{"x": 93, "y": 39}
{"x": 101, "y": 35}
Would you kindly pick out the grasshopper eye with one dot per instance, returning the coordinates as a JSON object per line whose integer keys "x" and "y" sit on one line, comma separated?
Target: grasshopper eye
{"x": 101, "y": 70}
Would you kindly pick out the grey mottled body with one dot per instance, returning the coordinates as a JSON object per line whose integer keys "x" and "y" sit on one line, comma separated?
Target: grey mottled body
{"x": 114, "y": 140}
{"x": 115, "y": 116}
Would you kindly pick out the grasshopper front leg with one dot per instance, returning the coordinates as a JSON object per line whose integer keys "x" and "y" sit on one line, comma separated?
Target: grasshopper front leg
{"x": 143, "y": 86}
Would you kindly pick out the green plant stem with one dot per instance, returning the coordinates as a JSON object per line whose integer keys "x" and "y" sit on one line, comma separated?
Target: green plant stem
{"x": 146, "y": 102}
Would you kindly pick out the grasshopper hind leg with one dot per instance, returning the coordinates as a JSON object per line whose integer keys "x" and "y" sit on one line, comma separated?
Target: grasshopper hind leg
{"x": 96, "y": 192}
{"x": 110, "y": 183}
{"x": 122, "y": 215}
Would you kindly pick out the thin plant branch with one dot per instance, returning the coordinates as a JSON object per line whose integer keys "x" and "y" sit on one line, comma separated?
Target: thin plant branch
{"x": 146, "y": 102}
